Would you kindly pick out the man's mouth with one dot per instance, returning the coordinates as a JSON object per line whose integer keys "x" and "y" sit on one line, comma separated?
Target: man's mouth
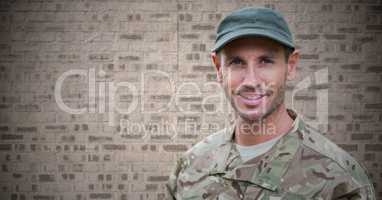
{"x": 251, "y": 99}
{"x": 252, "y": 96}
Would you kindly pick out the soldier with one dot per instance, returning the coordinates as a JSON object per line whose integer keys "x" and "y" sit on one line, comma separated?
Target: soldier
{"x": 269, "y": 152}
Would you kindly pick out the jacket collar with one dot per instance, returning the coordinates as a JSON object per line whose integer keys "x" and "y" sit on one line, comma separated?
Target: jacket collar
{"x": 229, "y": 132}
{"x": 266, "y": 170}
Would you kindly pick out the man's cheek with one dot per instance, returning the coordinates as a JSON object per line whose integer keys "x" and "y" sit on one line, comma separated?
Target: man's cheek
{"x": 272, "y": 85}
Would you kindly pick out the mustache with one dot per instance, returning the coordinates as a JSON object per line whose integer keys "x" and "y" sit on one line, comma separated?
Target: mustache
{"x": 256, "y": 90}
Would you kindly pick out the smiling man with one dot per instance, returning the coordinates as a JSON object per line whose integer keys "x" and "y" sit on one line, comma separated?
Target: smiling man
{"x": 269, "y": 152}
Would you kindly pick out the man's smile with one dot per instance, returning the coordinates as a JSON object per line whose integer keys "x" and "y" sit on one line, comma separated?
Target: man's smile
{"x": 251, "y": 99}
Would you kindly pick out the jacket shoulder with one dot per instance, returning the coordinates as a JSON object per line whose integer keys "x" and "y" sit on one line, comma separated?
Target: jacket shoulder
{"x": 314, "y": 140}
{"x": 208, "y": 143}
{"x": 190, "y": 164}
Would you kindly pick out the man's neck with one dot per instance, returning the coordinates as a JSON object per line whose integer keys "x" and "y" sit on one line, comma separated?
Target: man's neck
{"x": 256, "y": 132}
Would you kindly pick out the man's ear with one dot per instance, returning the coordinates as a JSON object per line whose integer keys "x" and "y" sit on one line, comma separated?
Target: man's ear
{"x": 216, "y": 62}
{"x": 292, "y": 64}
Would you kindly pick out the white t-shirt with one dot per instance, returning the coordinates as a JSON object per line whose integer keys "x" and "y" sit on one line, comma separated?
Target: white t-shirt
{"x": 249, "y": 152}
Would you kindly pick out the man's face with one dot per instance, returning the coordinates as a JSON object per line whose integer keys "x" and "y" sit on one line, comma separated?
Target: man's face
{"x": 253, "y": 73}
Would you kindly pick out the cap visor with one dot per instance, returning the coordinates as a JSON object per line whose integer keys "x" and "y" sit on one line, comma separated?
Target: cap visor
{"x": 251, "y": 32}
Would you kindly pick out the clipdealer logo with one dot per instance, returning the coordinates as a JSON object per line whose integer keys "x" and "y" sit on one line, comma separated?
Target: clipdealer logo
{"x": 102, "y": 98}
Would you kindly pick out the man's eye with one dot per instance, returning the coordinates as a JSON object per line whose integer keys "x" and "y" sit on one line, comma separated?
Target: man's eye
{"x": 236, "y": 61}
{"x": 266, "y": 61}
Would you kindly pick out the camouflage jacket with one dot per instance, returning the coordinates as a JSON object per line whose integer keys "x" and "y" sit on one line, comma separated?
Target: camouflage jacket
{"x": 303, "y": 164}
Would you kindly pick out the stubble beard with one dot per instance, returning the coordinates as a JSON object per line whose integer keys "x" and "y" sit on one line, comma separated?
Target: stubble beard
{"x": 275, "y": 104}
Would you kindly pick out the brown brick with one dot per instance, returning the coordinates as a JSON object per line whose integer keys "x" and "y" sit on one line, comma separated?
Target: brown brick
{"x": 332, "y": 60}
{"x": 6, "y": 107}
{"x": 373, "y": 106}
{"x": 55, "y": 127}
{"x": 132, "y": 137}
{"x": 305, "y": 97}
{"x": 11, "y": 137}
{"x": 365, "y": 39}
{"x": 334, "y": 36}
{"x": 46, "y": 178}
{"x": 43, "y": 197}
{"x": 27, "y": 108}
{"x": 26, "y": 129}
{"x": 151, "y": 187}
{"x": 351, "y": 66}
{"x": 188, "y": 136}
{"x": 185, "y": 17}
{"x": 349, "y": 147}
{"x": 363, "y": 136}
{"x": 373, "y": 89}
{"x": 189, "y": 36}
{"x": 5, "y": 147}
{"x": 188, "y": 119}
{"x": 157, "y": 178}
{"x": 320, "y": 86}
{"x": 160, "y": 15}
{"x": 4, "y": 128}
{"x": 374, "y": 27}
{"x": 113, "y": 147}
{"x": 348, "y": 30}
{"x": 202, "y": 68}
{"x": 92, "y": 138}
{"x": 375, "y": 9}
{"x": 203, "y": 27}
{"x": 129, "y": 58}
{"x": 369, "y": 156}
{"x": 375, "y": 69}
{"x": 100, "y": 196}
{"x": 373, "y": 147}
{"x": 161, "y": 137}
{"x": 363, "y": 117}
{"x": 175, "y": 147}
{"x": 190, "y": 99}
{"x": 160, "y": 97}
{"x": 99, "y": 57}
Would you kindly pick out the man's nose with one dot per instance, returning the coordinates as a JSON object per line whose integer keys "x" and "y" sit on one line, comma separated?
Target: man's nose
{"x": 252, "y": 77}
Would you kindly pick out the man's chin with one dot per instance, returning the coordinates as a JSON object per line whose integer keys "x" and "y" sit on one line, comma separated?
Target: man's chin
{"x": 251, "y": 115}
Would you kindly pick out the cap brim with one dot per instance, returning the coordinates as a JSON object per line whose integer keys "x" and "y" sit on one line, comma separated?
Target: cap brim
{"x": 248, "y": 33}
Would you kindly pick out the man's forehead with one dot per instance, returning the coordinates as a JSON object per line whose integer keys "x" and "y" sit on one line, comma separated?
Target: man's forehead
{"x": 264, "y": 45}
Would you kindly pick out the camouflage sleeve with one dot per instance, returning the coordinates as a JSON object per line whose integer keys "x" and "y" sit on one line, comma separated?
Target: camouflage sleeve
{"x": 363, "y": 193}
{"x": 172, "y": 182}
{"x": 356, "y": 186}
{"x": 352, "y": 181}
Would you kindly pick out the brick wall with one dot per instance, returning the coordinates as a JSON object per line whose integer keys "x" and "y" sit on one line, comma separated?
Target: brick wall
{"x": 98, "y": 98}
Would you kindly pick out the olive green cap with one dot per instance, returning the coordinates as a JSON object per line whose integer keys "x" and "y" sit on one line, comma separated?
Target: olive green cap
{"x": 251, "y": 21}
